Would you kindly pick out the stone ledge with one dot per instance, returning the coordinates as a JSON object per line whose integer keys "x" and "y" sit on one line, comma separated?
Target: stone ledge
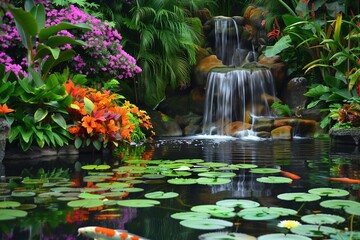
{"x": 345, "y": 135}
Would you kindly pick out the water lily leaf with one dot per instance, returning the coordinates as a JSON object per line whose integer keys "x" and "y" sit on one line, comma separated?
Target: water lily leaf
{"x": 86, "y": 203}
{"x": 96, "y": 167}
{"x": 321, "y": 219}
{"x": 265, "y": 213}
{"x": 206, "y": 224}
{"x": 22, "y": 194}
{"x": 127, "y": 189}
{"x": 137, "y": 161}
{"x": 109, "y": 203}
{"x": 274, "y": 179}
{"x": 9, "y": 204}
{"x": 265, "y": 170}
{"x": 134, "y": 181}
{"x": 217, "y": 174}
{"x": 225, "y": 236}
{"x": 67, "y": 199}
{"x": 329, "y": 192}
{"x": 131, "y": 169}
{"x": 182, "y": 181}
{"x": 90, "y": 196}
{"x": 9, "y": 214}
{"x": 161, "y": 195}
{"x": 346, "y": 235}
{"x": 114, "y": 194}
{"x": 224, "y": 215}
{"x": 299, "y": 197}
{"x": 112, "y": 185}
{"x": 213, "y": 164}
{"x": 189, "y": 161}
{"x": 212, "y": 209}
{"x": 28, "y": 206}
{"x": 313, "y": 230}
{"x": 139, "y": 203}
{"x": 340, "y": 204}
{"x": 200, "y": 169}
{"x": 50, "y": 194}
{"x": 241, "y": 203}
{"x": 94, "y": 189}
{"x": 212, "y": 181}
{"x": 175, "y": 165}
{"x": 244, "y": 165}
{"x": 171, "y": 173}
{"x": 153, "y": 176}
{"x": 95, "y": 179}
{"x": 33, "y": 181}
{"x": 65, "y": 189}
{"x": 190, "y": 215}
{"x": 353, "y": 210}
{"x": 281, "y": 236}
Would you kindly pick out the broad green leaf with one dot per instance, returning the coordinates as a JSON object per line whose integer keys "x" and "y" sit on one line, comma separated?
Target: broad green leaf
{"x": 279, "y": 46}
{"x": 77, "y": 143}
{"x": 26, "y": 25}
{"x": 38, "y": 12}
{"x": 59, "y": 120}
{"x": 44, "y": 50}
{"x": 46, "y": 33}
{"x": 317, "y": 91}
{"x": 25, "y": 134}
{"x": 89, "y": 105}
{"x": 56, "y": 41}
{"x": 52, "y": 62}
{"x": 40, "y": 114}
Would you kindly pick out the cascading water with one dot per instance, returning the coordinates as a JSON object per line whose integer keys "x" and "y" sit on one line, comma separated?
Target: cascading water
{"x": 232, "y": 94}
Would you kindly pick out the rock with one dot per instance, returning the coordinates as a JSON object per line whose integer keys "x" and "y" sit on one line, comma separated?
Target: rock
{"x": 277, "y": 69}
{"x": 263, "y": 124}
{"x": 204, "y": 66}
{"x": 240, "y": 21}
{"x": 294, "y": 93}
{"x": 301, "y": 127}
{"x": 203, "y": 14}
{"x": 4, "y": 134}
{"x": 282, "y": 133}
{"x": 234, "y": 127}
{"x": 345, "y": 135}
{"x": 263, "y": 134}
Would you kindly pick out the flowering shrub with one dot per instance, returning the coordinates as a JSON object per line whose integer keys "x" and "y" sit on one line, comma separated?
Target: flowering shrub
{"x": 102, "y": 57}
{"x": 100, "y": 120}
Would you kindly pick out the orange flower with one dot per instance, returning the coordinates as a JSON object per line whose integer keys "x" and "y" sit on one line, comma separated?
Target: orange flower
{"x": 4, "y": 109}
{"x": 89, "y": 123}
{"x": 74, "y": 130}
{"x": 112, "y": 126}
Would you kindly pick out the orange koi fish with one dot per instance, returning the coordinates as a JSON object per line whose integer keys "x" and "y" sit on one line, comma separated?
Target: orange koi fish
{"x": 290, "y": 175}
{"x": 345, "y": 180}
{"x": 101, "y": 233}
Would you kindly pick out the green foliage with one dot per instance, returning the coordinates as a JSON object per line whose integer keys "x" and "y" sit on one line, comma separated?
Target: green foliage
{"x": 281, "y": 110}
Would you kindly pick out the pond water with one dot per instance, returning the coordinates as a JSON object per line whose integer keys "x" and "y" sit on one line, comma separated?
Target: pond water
{"x": 314, "y": 160}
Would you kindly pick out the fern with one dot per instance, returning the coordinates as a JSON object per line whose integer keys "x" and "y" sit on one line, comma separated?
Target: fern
{"x": 281, "y": 110}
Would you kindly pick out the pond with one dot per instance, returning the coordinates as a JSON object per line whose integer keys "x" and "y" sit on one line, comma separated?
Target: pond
{"x": 308, "y": 163}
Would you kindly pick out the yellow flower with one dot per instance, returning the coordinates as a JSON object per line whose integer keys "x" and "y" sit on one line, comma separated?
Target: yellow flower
{"x": 288, "y": 224}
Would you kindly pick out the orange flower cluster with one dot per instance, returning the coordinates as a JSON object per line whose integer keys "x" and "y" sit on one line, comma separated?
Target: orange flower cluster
{"x": 100, "y": 120}
{"x": 4, "y": 109}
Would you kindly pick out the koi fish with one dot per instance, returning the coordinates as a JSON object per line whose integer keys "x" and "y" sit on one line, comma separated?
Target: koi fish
{"x": 345, "y": 180}
{"x": 101, "y": 233}
{"x": 290, "y": 175}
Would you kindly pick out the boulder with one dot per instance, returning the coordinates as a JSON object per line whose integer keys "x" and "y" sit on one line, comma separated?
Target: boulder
{"x": 263, "y": 124}
{"x": 204, "y": 66}
{"x": 282, "y": 133}
{"x": 234, "y": 127}
{"x": 294, "y": 93}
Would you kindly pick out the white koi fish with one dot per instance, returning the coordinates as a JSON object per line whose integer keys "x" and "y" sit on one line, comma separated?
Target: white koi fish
{"x": 101, "y": 233}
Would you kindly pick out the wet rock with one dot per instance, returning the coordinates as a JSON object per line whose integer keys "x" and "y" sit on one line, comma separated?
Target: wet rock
{"x": 234, "y": 127}
{"x": 263, "y": 134}
{"x": 345, "y": 135}
{"x": 306, "y": 128}
{"x": 282, "y": 133}
{"x": 240, "y": 21}
{"x": 204, "y": 66}
{"x": 263, "y": 124}
{"x": 294, "y": 93}
{"x": 203, "y": 14}
{"x": 277, "y": 69}
{"x": 4, "y": 134}
{"x": 285, "y": 121}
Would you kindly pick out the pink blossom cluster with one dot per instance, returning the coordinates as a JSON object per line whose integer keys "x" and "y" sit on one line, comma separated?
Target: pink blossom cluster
{"x": 102, "y": 56}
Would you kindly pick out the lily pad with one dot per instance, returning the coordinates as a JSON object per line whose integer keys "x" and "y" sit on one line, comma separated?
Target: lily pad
{"x": 189, "y": 160}
{"x": 217, "y": 174}
{"x": 211, "y": 209}
{"x": 171, "y": 173}
{"x": 225, "y": 236}
{"x": 161, "y": 195}
{"x": 112, "y": 185}
{"x": 340, "y": 204}
{"x": 244, "y": 165}
{"x": 299, "y": 197}
{"x": 212, "y": 181}
{"x": 281, "y": 236}
{"x": 182, "y": 181}
{"x": 213, "y": 164}
{"x": 224, "y": 215}
{"x": 153, "y": 176}
{"x": 274, "y": 179}
{"x": 90, "y": 196}
{"x": 265, "y": 213}
{"x": 95, "y": 179}
{"x": 353, "y": 210}
{"x": 321, "y": 219}
{"x": 9, "y": 204}
{"x": 190, "y": 215}
{"x": 346, "y": 236}
{"x": 127, "y": 189}
{"x": 9, "y": 214}
{"x": 114, "y": 194}
{"x": 65, "y": 189}
{"x": 329, "y": 192}
{"x": 85, "y": 203}
{"x": 265, "y": 170}
{"x": 206, "y": 224}
{"x": 22, "y": 194}
{"x": 175, "y": 165}
{"x": 138, "y": 203}
{"x": 241, "y": 203}
{"x": 96, "y": 167}
{"x": 313, "y": 230}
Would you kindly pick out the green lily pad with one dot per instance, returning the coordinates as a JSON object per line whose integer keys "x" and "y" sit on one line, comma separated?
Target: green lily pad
{"x": 189, "y": 161}
{"x": 28, "y": 206}
{"x": 22, "y": 194}
{"x": 217, "y": 174}
{"x": 241, "y": 203}
{"x": 224, "y": 215}
{"x": 86, "y": 203}
{"x": 94, "y": 189}
{"x": 244, "y": 165}
{"x": 206, "y": 224}
{"x": 225, "y": 236}
{"x": 32, "y": 181}
{"x": 50, "y": 195}
{"x": 340, "y": 204}
{"x": 112, "y": 185}
{"x": 329, "y": 192}
{"x": 138, "y": 203}
{"x": 213, "y": 164}
{"x": 95, "y": 179}
{"x": 153, "y": 176}
{"x": 137, "y": 161}
{"x": 171, "y": 173}
{"x": 313, "y": 230}
{"x": 96, "y": 167}
{"x": 127, "y": 189}
{"x": 114, "y": 194}
{"x": 321, "y": 219}
{"x": 346, "y": 236}
{"x": 90, "y": 196}
{"x": 9, "y": 204}
{"x": 182, "y": 181}
{"x": 265, "y": 170}
{"x": 299, "y": 197}
{"x": 65, "y": 189}
{"x": 353, "y": 210}
{"x": 134, "y": 181}
{"x": 265, "y": 213}
{"x": 211, "y": 209}
{"x": 161, "y": 195}
{"x": 175, "y": 165}
{"x": 67, "y": 199}
{"x": 190, "y": 215}
{"x": 212, "y": 181}
{"x": 281, "y": 236}
{"x": 274, "y": 179}
{"x": 9, "y": 214}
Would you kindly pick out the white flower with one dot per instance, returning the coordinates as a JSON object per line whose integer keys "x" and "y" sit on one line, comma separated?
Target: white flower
{"x": 288, "y": 224}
